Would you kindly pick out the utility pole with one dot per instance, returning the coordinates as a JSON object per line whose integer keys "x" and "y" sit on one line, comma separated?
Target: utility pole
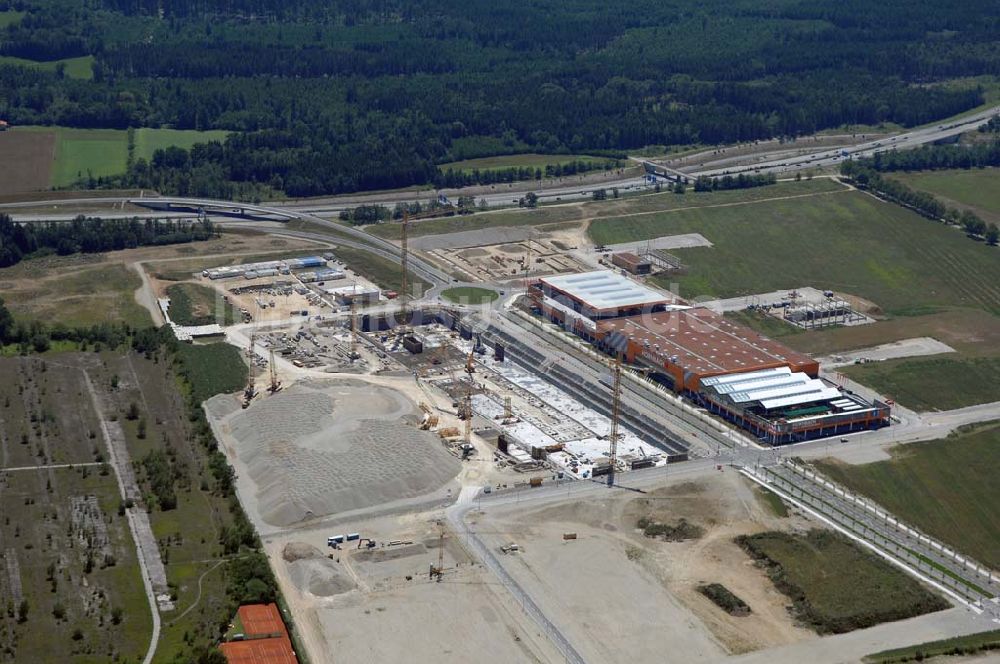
{"x": 616, "y": 395}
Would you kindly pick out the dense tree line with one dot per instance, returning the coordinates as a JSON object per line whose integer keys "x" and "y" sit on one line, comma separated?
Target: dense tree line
{"x": 451, "y": 178}
{"x": 344, "y": 95}
{"x": 366, "y": 214}
{"x": 741, "y": 181}
{"x": 93, "y": 234}
{"x": 865, "y": 177}
{"x": 936, "y": 157}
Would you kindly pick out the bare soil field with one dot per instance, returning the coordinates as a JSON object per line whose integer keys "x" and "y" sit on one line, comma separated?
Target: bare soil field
{"x": 641, "y": 592}
{"x": 348, "y": 602}
{"x": 27, "y": 162}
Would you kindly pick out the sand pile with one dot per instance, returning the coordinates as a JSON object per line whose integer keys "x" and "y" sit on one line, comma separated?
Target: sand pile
{"x": 327, "y": 447}
{"x": 298, "y": 551}
{"x": 311, "y": 572}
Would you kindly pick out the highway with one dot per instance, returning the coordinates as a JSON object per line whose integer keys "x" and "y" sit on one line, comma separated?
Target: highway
{"x": 833, "y": 156}
{"x": 548, "y": 192}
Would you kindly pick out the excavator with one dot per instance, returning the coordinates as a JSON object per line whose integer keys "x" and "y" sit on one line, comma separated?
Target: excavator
{"x": 430, "y": 418}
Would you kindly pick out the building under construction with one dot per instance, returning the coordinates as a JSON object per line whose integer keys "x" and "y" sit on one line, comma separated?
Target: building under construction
{"x": 753, "y": 381}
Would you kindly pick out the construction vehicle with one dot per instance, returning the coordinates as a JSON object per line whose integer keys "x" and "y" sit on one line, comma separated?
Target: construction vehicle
{"x": 367, "y": 541}
{"x": 430, "y": 418}
{"x": 470, "y": 365}
{"x": 275, "y": 385}
{"x": 438, "y": 570}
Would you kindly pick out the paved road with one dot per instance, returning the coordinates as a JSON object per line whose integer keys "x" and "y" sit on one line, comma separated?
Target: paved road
{"x": 456, "y": 517}
{"x": 833, "y": 156}
{"x": 553, "y": 192}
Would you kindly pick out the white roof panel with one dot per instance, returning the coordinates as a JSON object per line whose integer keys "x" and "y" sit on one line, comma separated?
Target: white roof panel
{"x": 795, "y": 400}
{"x": 737, "y": 377}
{"x": 810, "y": 386}
{"x": 603, "y": 289}
{"x": 762, "y": 382}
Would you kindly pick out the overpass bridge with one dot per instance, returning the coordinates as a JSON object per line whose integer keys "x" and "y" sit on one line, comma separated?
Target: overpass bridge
{"x": 213, "y": 207}
{"x": 661, "y": 171}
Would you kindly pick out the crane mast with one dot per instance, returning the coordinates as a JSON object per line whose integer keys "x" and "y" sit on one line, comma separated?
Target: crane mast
{"x": 616, "y": 394}
{"x": 354, "y": 330}
{"x": 404, "y": 262}
{"x": 275, "y": 383}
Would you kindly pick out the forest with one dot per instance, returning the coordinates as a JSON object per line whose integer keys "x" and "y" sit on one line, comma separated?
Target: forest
{"x": 937, "y": 157}
{"x": 93, "y": 234}
{"x": 330, "y": 96}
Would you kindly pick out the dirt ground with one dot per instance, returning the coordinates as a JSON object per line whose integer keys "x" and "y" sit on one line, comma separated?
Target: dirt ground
{"x": 27, "y": 162}
{"x": 347, "y": 604}
{"x": 90, "y": 288}
{"x": 606, "y": 581}
{"x": 499, "y": 262}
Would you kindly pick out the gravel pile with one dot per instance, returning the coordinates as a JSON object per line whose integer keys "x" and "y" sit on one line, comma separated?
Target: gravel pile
{"x": 312, "y": 572}
{"x": 323, "y": 448}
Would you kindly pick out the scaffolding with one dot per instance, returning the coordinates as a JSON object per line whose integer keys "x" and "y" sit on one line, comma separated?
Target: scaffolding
{"x": 811, "y": 316}
{"x": 663, "y": 261}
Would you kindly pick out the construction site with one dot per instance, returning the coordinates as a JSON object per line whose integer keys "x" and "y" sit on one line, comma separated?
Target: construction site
{"x": 484, "y": 387}
{"x": 367, "y": 436}
{"x": 497, "y": 262}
